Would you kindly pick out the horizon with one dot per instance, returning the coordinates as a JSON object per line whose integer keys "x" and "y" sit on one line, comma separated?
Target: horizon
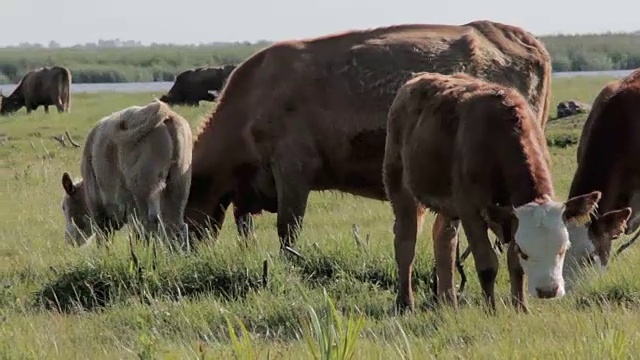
{"x": 124, "y": 42}
{"x": 77, "y": 22}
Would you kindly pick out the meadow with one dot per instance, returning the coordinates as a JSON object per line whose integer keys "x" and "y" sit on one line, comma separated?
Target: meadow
{"x": 62, "y": 302}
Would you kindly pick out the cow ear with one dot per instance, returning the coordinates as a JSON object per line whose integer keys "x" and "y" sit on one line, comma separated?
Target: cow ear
{"x": 613, "y": 223}
{"x": 578, "y": 209}
{"x": 498, "y": 214}
{"x": 67, "y": 184}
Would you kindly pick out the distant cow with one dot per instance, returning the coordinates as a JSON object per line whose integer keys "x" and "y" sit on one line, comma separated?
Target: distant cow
{"x": 607, "y": 157}
{"x": 45, "y": 86}
{"x": 135, "y": 161}
{"x": 474, "y": 152}
{"x": 311, "y": 114}
{"x": 191, "y": 86}
{"x": 571, "y": 107}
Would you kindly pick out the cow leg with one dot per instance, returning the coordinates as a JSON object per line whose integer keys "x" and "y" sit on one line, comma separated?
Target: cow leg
{"x": 485, "y": 258}
{"x": 104, "y": 222}
{"x": 516, "y": 277}
{"x": 293, "y": 185}
{"x": 405, "y": 229}
{"x": 46, "y": 109}
{"x": 244, "y": 224}
{"x": 174, "y": 200}
{"x": 59, "y": 107}
{"x": 445, "y": 241}
{"x": 405, "y": 226}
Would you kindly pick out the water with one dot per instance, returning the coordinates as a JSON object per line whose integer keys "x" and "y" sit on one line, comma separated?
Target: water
{"x": 162, "y": 87}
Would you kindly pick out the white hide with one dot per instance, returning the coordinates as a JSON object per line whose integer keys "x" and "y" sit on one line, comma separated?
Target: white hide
{"x": 542, "y": 235}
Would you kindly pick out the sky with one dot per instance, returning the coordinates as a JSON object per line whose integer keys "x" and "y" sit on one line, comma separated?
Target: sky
{"x": 70, "y": 22}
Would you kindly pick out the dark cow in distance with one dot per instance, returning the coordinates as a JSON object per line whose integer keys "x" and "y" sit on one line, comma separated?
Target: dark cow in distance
{"x": 474, "y": 153}
{"x": 311, "y": 114}
{"x": 44, "y": 86}
{"x": 607, "y": 156}
{"x": 194, "y": 85}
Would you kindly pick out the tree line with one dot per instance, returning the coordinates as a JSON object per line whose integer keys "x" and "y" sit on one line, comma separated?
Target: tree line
{"x": 128, "y": 61}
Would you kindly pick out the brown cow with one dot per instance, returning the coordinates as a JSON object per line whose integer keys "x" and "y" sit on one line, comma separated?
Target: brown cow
{"x": 194, "y": 85}
{"x": 607, "y": 162}
{"x": 473, "y": 152}
{"x": 45, "y": 86}
{"x": 314, "y": 111}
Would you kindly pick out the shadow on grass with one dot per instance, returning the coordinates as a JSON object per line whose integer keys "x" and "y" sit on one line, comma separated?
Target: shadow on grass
{"x": 91, "y": 285}
{"x": 611, "y": 296}
{"x": 88, "y": 286}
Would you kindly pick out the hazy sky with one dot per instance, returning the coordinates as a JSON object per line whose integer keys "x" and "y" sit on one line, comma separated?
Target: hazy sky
{"x": 192, "y": 21}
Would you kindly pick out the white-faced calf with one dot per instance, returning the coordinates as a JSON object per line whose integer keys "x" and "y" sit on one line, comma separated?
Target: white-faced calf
{"x": 473, "y": 152}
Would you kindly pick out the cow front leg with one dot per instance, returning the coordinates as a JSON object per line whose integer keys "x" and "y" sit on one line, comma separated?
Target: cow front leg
{"x": 485, "y": 258}
{"x": 293, "y": 185}
{"x": 516, "y": 277}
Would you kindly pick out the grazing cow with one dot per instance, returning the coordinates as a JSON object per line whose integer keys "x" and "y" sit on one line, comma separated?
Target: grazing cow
{"x": 607, "y": 162}
{"x": 45, "y": 86}
{"x": 473, "y": 152}
{"x": 312, "y": 113}
{"x": 194, "y": 85}
{"x": 135, "y": 161}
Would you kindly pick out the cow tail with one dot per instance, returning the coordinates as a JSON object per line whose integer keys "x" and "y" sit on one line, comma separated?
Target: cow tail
{"x": 143, "y": 120}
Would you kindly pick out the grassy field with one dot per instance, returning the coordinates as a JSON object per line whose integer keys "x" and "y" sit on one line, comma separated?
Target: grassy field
{"x": 58, "y": 302}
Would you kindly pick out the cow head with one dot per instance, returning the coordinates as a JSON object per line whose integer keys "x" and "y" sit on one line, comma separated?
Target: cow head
{"x": 165, "y": 99}
{"x": 591, "y": 241}
{"x": 542, "y": 239}
{"x": 78, "y": 225}
{"x": 9, "y": 104}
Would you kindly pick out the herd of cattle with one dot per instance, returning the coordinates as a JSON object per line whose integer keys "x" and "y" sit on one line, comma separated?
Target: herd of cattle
{"x": 51, "y": 86}
{"x": 448, "y": 118}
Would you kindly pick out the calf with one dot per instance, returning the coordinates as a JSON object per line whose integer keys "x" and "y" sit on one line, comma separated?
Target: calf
{"x": 136, "y": 161}
{"x": 473, "y": 152}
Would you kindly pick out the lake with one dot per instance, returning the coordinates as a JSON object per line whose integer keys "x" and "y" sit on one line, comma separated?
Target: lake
{"x": 164, "y": 86}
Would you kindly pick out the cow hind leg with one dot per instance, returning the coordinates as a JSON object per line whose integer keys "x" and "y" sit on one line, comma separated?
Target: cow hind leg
{"x": 407, "y": 215}
{"x": 46, "y": 109}
{"x": 174, "y": 200}
{"x": 146, "y": 214}
{"x": 445, "y": 241}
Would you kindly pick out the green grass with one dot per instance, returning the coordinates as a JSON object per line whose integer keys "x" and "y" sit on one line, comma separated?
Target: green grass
{"x": 58, "y": 302}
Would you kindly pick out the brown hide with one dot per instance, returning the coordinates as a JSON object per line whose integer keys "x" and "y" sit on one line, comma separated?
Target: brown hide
{"x": 607, "y": 161}
{"x": 45, "y": 86}
{"x": 603, "y": 96}
{"x": 194, "y": 85}
{"x": 314, "y": 111}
